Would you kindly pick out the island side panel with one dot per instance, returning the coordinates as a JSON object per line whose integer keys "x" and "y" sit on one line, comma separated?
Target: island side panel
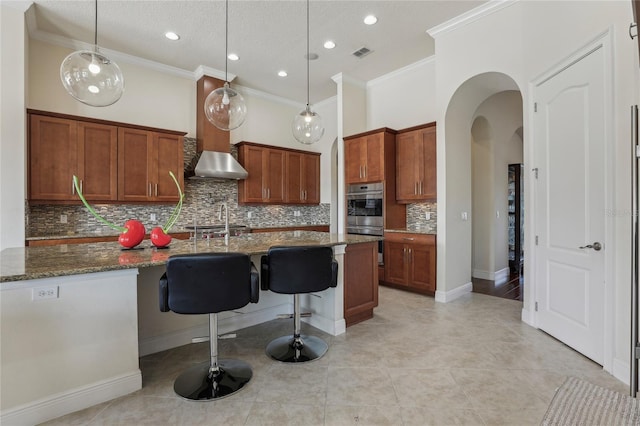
{"x": 68, "y": 352}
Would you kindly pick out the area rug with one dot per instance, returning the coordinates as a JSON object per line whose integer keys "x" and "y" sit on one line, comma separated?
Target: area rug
{"x": 577, "y": 402}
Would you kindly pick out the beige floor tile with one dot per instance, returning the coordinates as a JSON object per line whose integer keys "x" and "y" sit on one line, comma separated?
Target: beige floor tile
{"x": 379, "y": 415}
{"x": 79, "y": 418}
{"x": 511, "y": 417}
{"x": 360, "y": 386}
{"x": 418, "y": 416}
{"x": 428, "y": 388}
{"x": 304, "y": 384}
{"x": 140, "y": 410}
{"x": 267, "y": 414}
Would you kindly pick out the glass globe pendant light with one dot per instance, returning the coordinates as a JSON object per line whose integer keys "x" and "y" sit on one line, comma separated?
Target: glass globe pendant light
{"x": 90, "y": 77}
{"x": 224, "y": 107}
{"x": 307, "y": 125}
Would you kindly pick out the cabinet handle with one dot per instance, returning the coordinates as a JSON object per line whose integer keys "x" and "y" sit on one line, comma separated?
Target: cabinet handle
{"x": 360, "y": 170}
{"x": 420, "y": 187}
{"x": 408, "y": 238}
{"x": 81, "y": 181}
{"x": 415, "y": 188}
{"x": 268, "y": 193}
{"x": 365, "y": 170}
{"x": 73, "y": 188}
{"x": 150, "y": 189}
{"x": 156, "y": 189}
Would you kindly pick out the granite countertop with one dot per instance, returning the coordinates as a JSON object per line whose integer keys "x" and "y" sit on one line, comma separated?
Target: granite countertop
{"x": 413, "y": 230}
{"x": 26, "y": 263}
{"x": 111, "y": 233}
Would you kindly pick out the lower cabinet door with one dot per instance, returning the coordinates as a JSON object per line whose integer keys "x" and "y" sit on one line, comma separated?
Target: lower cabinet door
{"x": 360, "y": 282}
{"x": 395, "y": 262}
{"x": 422, "y": 266}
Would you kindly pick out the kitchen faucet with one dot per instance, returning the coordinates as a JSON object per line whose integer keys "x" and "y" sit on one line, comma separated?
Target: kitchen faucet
{"x": 226, "y": 221}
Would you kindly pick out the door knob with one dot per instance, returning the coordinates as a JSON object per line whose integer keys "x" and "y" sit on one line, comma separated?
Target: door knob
{"x": 596, "y": 246}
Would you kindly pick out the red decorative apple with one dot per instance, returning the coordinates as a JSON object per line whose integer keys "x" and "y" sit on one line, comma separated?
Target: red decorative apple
{"x": 159, "y": 236}
{"x": 131, "y": 234}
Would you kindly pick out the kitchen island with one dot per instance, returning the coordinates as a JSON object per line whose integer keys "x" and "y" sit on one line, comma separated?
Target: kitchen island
{"x": 75, "y": 318}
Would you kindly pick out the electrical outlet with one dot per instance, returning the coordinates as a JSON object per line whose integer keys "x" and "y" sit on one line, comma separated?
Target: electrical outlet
{"x": 42, "y": 293}
{"x": 153, "y": 217}
{"x": 464, "y": 216}
{"x": 427, "y": 216}
{"x": 296, "y": 213}
{"x": 63, "y": 218}
{"x": 249, "y": 215}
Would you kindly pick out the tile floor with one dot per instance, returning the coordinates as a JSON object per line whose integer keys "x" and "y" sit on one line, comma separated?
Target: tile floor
{"x": 417, "y": 362}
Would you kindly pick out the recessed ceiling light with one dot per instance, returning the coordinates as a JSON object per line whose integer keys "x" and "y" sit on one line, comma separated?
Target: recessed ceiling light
{"x": 172, "y": 36}
{"x": 282, "y": 73}
{"x": 329, "y": 44}
{"x": 370, "y": 20}
{"x": 233, "y": 57}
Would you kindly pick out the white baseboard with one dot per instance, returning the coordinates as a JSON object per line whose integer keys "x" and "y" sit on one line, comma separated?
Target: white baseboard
{"x": 182, "y": 337}
{"x": 501, "y": 276}
{"x": 73, "y": 400}
{"x": 622, "y": 371}
{"x": 527, "y": 317}
{"x": 448, "y": 296}
{"x": 333, "y": 328}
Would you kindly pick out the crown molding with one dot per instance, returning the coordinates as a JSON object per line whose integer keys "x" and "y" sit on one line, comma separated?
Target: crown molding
{"x": 212, "y": 72}
{"x": 399, "y": 71}
{"x": 268, "y": 96}
{"x": 326, "y": 102}
{"x": 466, "y": 18}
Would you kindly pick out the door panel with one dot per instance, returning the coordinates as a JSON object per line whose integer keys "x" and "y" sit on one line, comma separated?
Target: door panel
{"x": 569, "y": 142}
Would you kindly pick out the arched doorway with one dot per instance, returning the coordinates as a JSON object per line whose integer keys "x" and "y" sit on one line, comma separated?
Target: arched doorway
{"x": 455, "y": 208}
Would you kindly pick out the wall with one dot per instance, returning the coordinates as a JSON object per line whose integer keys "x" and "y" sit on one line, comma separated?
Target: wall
{"x": 150, "y": 98}
{"x": 13, "y": 67}
{"x": 403, "y": 98}
{"x": 522, "y": 40}
{"x": 493, "y": 148}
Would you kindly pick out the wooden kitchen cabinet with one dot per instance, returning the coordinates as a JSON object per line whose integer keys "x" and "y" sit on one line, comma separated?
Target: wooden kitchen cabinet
{"x": 367, "y": 155}
{"x": 113, "y": 161}
{"x": 265, "y": 182}
{"x": 144, "y": 161}
{"x": 410, "y": 261}
{"x": 416, "y": 164}
{"x": 278, "y": 175}
{"x": 360, "y": 282}
{"x": 302, "y": 178}
{"x": 60, "y": 148}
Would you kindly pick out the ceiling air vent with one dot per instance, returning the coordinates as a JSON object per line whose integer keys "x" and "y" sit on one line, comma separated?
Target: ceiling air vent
{"x": 361, "y": 53}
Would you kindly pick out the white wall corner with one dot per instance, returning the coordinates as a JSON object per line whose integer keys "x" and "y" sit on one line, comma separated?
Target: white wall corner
{"x": 527, "y": 317}
{"x": 397, "y": 73}
{"x": 466, "y": 18}
{"x": 501, "y": 276}
{"x": 451, "y": 295}
{"x": 343, "y": 78}
{"x": 211, "y": 72}
{"x": 482, "y": 274}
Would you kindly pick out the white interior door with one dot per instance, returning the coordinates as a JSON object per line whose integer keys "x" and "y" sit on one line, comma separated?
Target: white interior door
{"x": 569, "y": 131}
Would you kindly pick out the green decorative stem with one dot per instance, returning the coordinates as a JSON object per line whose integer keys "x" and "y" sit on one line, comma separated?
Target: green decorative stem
{"x": 92, "y": 211}
{"x": 176, "y": 211}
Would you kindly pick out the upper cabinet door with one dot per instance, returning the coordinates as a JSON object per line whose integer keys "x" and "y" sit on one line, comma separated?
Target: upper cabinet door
{"x": 53, "y": 155}
{"x": 354, "y": 158}
{"x": 416, "y": 165}
{"x": 135, "y": 164}
{"x": 374, "y": 164}
{"x": 98, "y": 161}
{"x": 295, "y": 180}
{"x": 251, "y": 189}
{"x": 169, "y": 149}
{"x": 275, "y": 164}
{"x": 311, "y": 178}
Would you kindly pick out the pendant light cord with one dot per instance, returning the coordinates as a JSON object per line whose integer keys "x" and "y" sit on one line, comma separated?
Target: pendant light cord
{"x": 95, "y": 33}
{"x": 308, "y": 54}
{"x": 226, "y": 41}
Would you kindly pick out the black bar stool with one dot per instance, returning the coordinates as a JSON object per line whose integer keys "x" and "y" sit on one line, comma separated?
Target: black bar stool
{"x": 296, "y": 270}
{"x": 209, "y": 283}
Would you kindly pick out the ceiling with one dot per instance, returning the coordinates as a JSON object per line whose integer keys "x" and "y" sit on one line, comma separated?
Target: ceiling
{"x": 268, "y": 35}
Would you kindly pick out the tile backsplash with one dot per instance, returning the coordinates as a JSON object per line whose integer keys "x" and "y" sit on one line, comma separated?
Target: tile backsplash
{"x": 203, "y": 198}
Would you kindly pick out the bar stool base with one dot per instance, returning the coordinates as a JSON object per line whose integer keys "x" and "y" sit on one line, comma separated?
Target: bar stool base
{"x": 284, "y": 349}
{"x": 196, "y": 383}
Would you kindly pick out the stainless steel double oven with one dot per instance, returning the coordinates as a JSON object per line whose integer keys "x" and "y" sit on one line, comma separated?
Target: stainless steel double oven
{"x": 365, "y": 208}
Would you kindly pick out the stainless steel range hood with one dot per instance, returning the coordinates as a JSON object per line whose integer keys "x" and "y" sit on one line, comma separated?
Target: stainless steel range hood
{"x": 222, "y": 165}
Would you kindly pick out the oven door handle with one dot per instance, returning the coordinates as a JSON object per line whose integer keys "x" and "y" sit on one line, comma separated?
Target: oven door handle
{"x": 378, "y": 194}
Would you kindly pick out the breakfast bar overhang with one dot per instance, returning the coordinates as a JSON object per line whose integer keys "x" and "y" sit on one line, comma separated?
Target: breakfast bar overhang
{"x": 76, "y": 318}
